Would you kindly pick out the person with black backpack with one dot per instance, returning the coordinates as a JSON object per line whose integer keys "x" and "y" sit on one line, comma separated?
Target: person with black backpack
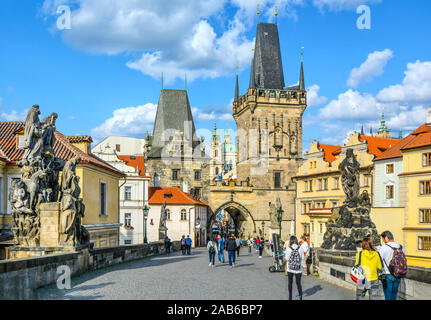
{"x": 212, "y": 250}
{"x": 394, "y": 265}
{"x": 293, "y": 256}
{"x": 168, "y": 245}
{"x": 260, "y": 245}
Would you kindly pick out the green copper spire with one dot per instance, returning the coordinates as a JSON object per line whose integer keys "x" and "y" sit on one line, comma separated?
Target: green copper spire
{"x": 383, "y": 127}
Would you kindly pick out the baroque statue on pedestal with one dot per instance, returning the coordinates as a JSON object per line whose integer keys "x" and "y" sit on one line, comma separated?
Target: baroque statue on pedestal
{"x": 39, "y": 182}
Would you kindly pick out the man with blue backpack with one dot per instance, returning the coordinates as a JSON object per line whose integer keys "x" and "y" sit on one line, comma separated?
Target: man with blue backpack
{"x": 394, "y": 265}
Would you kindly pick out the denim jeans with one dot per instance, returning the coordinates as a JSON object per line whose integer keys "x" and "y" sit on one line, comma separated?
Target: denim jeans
{"x": 183, "y": 249}
{"x": 231, "y": 255}
{"x": 221, "y": 255}
{"x": 212, "y": 257}
{"x": 249, "y": 249}
{"x": 391, "y": 287}
{"x": 373, "y": 291}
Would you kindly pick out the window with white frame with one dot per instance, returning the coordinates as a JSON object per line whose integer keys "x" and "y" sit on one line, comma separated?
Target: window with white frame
{"x": 366, "y": 180}
{"x": 127, "y": 219}
{"x": 336, "y": 182}
{"x": 183, "y": 214}
{"x": 425, "y": 215}
{"x": 103, "y": 198}
{"x": 389, "y": 168}
{"x": 127, "y": 193}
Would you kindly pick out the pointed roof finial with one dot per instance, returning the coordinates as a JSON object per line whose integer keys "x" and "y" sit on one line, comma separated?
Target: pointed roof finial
{"x": 252, "y": 79}
{"x": 276, "y": 14}
{"x": 371, "y": 131}
{"x": 362, "y": 131}
{"x": 162, "y": 81}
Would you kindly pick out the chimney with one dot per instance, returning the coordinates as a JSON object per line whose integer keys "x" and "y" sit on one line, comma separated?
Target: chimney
{"x": 429, "y": 116}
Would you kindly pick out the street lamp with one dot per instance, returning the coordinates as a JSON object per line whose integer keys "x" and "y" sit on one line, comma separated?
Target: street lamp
{"x": 263, "y": 229}
{"x": 146, "y": 209}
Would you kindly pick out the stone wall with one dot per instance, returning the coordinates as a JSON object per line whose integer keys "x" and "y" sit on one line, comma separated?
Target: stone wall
{"x": 19, "y": 277}
{"x": 335, "y": 266}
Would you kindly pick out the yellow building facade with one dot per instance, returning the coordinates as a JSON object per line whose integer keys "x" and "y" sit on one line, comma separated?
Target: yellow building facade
{"x": 318, "y": 181}
{"x": 410, "y": 220}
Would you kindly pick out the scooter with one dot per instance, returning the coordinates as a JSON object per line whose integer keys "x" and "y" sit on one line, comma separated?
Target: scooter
{"x": 278, "y": 263}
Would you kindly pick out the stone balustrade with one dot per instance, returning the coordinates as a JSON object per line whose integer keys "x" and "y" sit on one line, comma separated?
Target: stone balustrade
{"x": 19, "y": 277}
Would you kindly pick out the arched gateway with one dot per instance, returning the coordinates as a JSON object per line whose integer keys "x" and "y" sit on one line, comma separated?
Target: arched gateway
{"x": 241, "y": 216}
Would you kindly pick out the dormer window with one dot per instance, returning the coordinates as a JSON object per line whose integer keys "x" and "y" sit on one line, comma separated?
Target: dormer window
{"x": 20, "y": 142}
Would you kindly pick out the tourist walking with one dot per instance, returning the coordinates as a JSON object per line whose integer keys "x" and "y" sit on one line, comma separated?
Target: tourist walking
{"x": 394, "y": 261}
{"x": 306, "y": 249}
{"x": 231, "y": 247}
{"x": 188, "y": 242}
{"x": 167, "y": 245}
{"x": 212, "y": 250}
{"x": 260, "y": 245}
{"x": 257, "y": 244}
{"x": 370, "y": 261}
{"x": 238, "y": 245}
{"x": 249, "y": 244}
{"x": 183, "y": 244}
{"x": 293, "y": 256}
{"x": 220, "y": 249}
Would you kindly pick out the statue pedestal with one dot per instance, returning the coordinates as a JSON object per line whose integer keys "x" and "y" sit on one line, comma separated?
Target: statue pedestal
{"x": 273, "y": 230}
{"x": 50, "y": 224}
{"x": 163, "y": 231}
{"x": 49, "y": 236}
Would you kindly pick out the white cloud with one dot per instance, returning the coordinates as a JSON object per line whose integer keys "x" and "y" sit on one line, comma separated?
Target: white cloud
{"x": 352, "y": 105}
{"x": 170, "y": 36}
{"x": 415, "y": 88}
{"x": 313, "y": 98}
{"x": 337, "y": 5}
{"x": 210, "y": 113}
{"x": 371, "y": 68}
{"x": 14, "y": 115}
{"x": 131, "y": 121}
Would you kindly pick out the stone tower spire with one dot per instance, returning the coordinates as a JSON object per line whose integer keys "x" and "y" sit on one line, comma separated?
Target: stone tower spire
{"x": 236, "y": 99}
{"x": 301, "y": 76}
{"x": 267, "y": 67}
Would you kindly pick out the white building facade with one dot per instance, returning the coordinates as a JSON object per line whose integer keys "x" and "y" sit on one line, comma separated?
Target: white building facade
{"x": 133, "y": 192}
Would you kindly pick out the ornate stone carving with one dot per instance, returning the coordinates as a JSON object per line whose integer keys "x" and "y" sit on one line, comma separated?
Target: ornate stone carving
{"x": 351, "y": 222}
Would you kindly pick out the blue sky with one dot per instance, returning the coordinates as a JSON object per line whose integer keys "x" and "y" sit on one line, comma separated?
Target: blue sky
{"x": 103, "y": 75}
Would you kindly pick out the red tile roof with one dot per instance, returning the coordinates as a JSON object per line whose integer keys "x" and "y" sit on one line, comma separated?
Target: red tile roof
{"x": 421, "y": 140}
{"x": 170, "y": 195}
{"x": 63, "y": 148}
{"x": 395, "y": 152}
{"x": 137, "y": 162}
{"x": 377, "y": 146}
{"x": 330, "y": 151}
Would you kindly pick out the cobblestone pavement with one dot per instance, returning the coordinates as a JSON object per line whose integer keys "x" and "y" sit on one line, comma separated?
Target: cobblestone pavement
{"x": 189, "y": 277}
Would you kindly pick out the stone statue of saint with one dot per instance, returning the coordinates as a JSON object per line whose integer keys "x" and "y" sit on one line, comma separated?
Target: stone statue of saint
{"x": 33, "y": 143}
{"x": 163, "y": 216}
{"x": 275, "y": 223}
{"x": 349, "y": 168}
{"x": 293, "y": 144}
{"x": 72, "y": 207}
{"x": 48, "y": 129}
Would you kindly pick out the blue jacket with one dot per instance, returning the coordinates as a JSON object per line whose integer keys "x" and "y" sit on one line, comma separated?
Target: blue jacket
{"x": 188, "y": 241}
{"x": 221, "y": 244}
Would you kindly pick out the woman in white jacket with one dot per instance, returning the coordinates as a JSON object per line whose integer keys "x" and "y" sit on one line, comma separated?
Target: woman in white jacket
{"x": 293, "y": 255}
